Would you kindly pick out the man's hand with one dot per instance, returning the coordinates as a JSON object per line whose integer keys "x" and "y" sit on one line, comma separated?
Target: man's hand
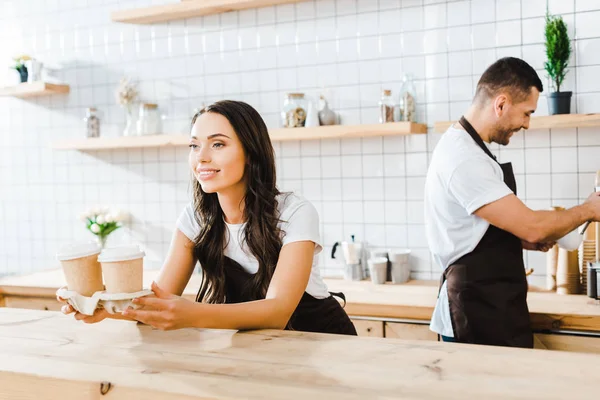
{"x": 544, "y": 247}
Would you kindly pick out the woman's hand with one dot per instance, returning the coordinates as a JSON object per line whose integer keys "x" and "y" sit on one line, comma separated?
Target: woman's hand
{"x": 165, "y": 311}
{"x": 99, "y": 314}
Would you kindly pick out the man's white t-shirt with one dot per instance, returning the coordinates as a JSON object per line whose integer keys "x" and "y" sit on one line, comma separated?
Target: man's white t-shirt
{"x": 299, "y": 221}
{"x": 460, "y": 180}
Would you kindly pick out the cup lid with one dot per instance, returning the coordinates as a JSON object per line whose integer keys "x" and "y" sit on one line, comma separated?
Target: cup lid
{"x": 121, "y": 253}
{"x": 77, "y": 250}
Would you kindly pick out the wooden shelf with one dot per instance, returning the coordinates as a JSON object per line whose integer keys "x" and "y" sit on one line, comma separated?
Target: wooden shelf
{"x": 33, "y": 89}
{"x": 189, "y": 9}
{"x": 321, "y": 132}
{"x": 547, "y": 122}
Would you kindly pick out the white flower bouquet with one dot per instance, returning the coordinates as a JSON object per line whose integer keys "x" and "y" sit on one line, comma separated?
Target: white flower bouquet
{"x": 102, "y": 221}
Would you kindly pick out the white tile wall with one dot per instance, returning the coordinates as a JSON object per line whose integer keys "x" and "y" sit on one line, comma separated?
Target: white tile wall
{"x": 348, "y": 49}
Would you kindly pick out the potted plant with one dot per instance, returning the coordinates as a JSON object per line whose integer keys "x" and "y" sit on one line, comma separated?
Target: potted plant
{"x": 20, "y": 66}
{"x": 558, "y": 51}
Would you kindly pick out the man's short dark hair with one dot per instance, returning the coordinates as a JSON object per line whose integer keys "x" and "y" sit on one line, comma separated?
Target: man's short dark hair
{"x": 508, "y": 74}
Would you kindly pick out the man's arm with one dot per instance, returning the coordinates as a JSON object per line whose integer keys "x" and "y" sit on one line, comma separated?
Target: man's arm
{"x": 510, "y": 214}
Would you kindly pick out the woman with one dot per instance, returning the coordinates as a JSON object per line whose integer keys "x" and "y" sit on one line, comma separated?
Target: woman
{"x": 257, "y": 247}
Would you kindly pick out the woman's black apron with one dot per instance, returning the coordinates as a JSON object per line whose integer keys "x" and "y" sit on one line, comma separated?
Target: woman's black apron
{"x": 311, "y": 314}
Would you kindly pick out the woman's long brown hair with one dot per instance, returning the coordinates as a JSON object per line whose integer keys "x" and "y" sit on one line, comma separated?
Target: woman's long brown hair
{"x": 261, "y": 233}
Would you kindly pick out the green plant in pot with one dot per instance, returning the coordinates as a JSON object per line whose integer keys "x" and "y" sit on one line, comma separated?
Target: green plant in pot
{"x": 20, "y": 66}
{"x": 558, "y": 51}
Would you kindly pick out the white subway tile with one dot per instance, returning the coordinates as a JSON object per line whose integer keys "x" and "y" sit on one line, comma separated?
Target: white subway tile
{"x": 436, "y": 16}
{"x": 587, "y": 24}
{"x": 564, "y": 159}
{"x": 460, "y": 64}
{"x": 508, "y": 33}
{"x": 483, "y": 11}
{"x": 373, "y": 188}
{"x": 394, "y": 165}
{"x": 352, "y": 189}
{"x": 483, "y": 36}
{"x": 395, "y": 212}
{"x": 459, "y": 13}
{"x": 332, "y": 190}
{"x": 565, "y": 186}
{"x": 372, "y": 165}
{"x": 436, "y": 66}
{"x": 459, "y": 38}
{"x": 537, "y": 161}
{"x": 537, "y": 186}
{"x": 508, "y": 10}
{"x": 412, "y": 19}
{"x": 533, "y": 30}
{"x": 351, "y": 166}
{"x": 331, "y": 167}
{"x": 390, "y": 21}
{"x": 353, "y": 212}
{"x": 435, "y": 41}
{"x": 537, "y": 138}
{"x": 375, "y": 214}
{"x": 589, "y": 159}
{"x": 375, "y": 233}
{"x": 587, "y": 5}
{"x": 460, "y": 89}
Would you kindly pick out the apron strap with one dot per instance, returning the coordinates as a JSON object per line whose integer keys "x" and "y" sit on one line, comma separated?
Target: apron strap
{"x": 340, "y": 295}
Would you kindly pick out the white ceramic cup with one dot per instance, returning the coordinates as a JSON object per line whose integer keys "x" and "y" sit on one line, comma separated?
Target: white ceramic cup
{"x": 378, "y": 269}
{"x": 570, "y": 241}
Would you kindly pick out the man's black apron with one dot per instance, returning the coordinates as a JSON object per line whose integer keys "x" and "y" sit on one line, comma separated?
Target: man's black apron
{"x": 311, "y": 314}
{"x": 487, "y": 288}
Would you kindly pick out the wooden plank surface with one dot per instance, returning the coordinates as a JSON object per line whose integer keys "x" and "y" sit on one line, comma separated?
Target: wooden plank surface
{"x": 34, "y": 89}
{"x": 189, "y": 9}
{"x": 281, "y": 134}
{"x": 545, "y": 122}
{"x": 48, "y": 355}
{"x": 413, "y": 300}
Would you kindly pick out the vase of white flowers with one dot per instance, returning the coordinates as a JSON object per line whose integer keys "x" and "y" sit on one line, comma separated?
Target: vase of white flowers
{"x": 126, "y": 95}
{"x": 102, "y": 221}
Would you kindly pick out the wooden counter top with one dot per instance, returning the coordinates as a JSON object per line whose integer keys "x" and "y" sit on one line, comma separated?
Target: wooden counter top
{"x": 413, "y": 300}
{"x": 49, "y": 355}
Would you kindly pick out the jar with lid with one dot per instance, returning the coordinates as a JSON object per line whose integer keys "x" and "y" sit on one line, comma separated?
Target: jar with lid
{"x": 408, "y": 103}
{"x": 386, "y": 107}
{"x": 293, "y": 113}
{"x": 149, "y": 120}
{"x": 92, "y": 123}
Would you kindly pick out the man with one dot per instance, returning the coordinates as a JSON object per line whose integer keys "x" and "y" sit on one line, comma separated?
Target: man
{"x": 476, "y": 226}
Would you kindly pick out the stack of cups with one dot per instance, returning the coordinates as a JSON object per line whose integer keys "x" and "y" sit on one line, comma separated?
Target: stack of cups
{"x": 567, "y": 272}
{"x": 81, "y": 268}
{"x": 551, "y": 264}
{"x": 400, "y": 265}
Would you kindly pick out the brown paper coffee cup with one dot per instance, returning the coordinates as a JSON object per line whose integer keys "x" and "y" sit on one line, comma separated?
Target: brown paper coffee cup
{"x": 123, "y": 269}
{"x": 81, "y": 268}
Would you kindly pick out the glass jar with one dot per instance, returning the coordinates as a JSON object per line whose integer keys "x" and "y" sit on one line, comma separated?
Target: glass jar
{"x": 149, "y": 120}
{"x": 386, "y": 107}
{"x": 293, "y": 113}
{"x": 92, "y": 123}
{"x": 408, "y": 102}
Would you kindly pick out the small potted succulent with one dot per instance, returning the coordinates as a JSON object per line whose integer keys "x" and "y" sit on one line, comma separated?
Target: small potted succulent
{"x": 20, "y": 66}
{"x": 558, "y": 51}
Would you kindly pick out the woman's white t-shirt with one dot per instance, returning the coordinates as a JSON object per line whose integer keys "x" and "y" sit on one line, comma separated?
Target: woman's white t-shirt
{"x": 299, "y": 221}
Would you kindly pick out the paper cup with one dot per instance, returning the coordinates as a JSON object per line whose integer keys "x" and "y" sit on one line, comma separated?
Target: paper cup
{"x": 81, "y": 268}
{"x": 123, "y": 269}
